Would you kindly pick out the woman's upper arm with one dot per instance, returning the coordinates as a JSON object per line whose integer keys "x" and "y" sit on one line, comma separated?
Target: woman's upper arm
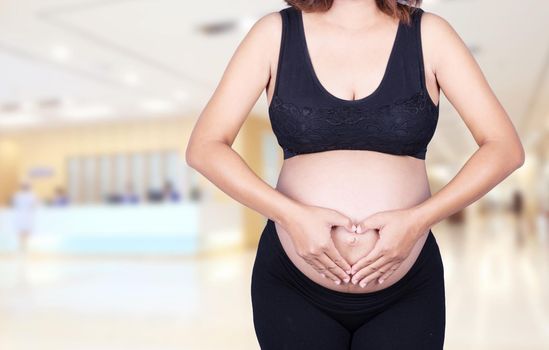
{"x": 464, "y": 84}
{"x": 244, "y": 79}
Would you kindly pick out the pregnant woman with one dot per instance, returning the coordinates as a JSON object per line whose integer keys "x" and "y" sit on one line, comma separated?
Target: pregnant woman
{"x": 347, "y": 259}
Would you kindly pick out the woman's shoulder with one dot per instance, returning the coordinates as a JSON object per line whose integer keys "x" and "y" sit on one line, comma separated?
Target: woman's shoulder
{"x": 262, "y": 33}
{"x": 439, "y": 37}
{"x": 267, "y": 28}
{"x": 434, "y": 25}
{"x": 267, "y": 23}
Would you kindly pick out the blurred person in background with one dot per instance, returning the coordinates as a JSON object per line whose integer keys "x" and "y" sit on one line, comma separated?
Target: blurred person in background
{"x": 129, "y": 196}
{"x": 517, "y": 208}
{"x": 170, "y": 193}
{"x": 347, "y": 258}
{"x": 24, "y": 204}
{"x": 196, "y": 194}
{"x": 60, "y": 198}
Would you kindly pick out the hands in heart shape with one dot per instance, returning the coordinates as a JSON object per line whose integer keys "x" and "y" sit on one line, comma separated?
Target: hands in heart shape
{"x": 398, "y": 231}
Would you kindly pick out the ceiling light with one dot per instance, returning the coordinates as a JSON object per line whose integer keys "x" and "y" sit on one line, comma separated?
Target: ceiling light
{"x": 10, "y": 107}
{"x": 157, "y": 106}
{"x": 224, "y": 26}
{"x": 18, "y": 119}
{"x": 88, "y": 112}
{"x": 217, "y": 27}
{"x": 131, "y": 78}
{"x": 14, "y": 107}
{"x": 49, "y": 103}
{"x": 61, "y": 53}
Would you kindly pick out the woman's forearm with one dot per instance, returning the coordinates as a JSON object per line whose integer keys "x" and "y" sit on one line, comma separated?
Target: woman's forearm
{"x": 226, "y": 169}
{"x": 487, "y": 167}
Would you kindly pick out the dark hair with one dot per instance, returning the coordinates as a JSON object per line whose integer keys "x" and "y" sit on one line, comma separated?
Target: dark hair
{"x": 393, "y": 8}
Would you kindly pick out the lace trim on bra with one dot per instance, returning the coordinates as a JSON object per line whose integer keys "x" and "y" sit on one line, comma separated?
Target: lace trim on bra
{"x": 306, "y": 129}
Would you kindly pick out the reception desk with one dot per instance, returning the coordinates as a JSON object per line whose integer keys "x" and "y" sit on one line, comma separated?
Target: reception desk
{"x": 182, "y": 228}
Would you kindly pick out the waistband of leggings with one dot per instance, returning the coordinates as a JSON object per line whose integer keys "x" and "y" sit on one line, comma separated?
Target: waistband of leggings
{"x": 426, "y": 252}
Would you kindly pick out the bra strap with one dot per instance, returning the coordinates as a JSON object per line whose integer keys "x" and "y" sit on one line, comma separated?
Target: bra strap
{"x": 282, "y": 49}
{"x": 416, "y": 17}
{"x": 290, "y": 67}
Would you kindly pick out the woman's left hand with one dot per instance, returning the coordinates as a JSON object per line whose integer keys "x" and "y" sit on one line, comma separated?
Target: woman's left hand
{"x": 398, "y": 232}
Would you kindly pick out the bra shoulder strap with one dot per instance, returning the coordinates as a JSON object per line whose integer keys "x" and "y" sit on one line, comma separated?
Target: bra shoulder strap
{"x": 290, "y": 63}
{"x": 407, "y": 76}
{"x": 417, "y": 14}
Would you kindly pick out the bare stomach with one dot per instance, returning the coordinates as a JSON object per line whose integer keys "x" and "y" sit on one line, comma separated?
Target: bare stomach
{"x": 356, "y": 183}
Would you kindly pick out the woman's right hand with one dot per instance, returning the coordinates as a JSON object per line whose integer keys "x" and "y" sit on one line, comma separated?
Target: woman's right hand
{"x": 310, "y": 229}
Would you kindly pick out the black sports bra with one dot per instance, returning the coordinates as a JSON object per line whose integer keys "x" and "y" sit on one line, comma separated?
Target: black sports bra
{"x": 398, "y": 118}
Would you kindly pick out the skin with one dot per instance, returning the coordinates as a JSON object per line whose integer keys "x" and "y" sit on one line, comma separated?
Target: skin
{"x": 368, "y": 229}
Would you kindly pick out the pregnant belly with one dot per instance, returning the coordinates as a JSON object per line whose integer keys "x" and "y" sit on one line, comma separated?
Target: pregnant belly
{"x": 357, "y": 184}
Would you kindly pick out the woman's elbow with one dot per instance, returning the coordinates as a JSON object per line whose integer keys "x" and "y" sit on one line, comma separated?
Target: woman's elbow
{"x": 192, "y": 155}
{"x": 197, "y": 153}
{"x": 520, "y": 159}
{"x": 516, "y": 155}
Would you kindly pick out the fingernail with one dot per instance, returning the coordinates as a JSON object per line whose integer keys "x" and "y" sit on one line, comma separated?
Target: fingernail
{"x": 337, "y": 282}
{"x": 323, "y": 275}
{"x": 354, "y": 281}
{"x": 380, "y": 281}
{"x": 363, "y": 284}
{"x": 348, "y": 271}
{"x": 346, "y": 279}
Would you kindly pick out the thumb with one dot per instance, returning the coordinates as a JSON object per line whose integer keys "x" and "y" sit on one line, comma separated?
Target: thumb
{"x": 372, "y": 222}
{"x": 342, "y": 220}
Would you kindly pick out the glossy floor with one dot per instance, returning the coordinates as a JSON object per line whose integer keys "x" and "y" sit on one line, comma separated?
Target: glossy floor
{"x": 497, "y": 297}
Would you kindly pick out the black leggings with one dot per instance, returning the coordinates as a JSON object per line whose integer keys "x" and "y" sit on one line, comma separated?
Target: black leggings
{"x": 290, "y": 311}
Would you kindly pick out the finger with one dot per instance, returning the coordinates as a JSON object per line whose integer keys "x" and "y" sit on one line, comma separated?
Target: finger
{"x": 336, "y": 257}
{"x": 366, "y": 280}
{"x": 320, "y": 268}
{"x": 370, "y": 270}
{"x": 314, "y": 263}
{"x": 389, "y": 271}
{"x": 377, "y": 274}
{"x": 342, "y": 220}
{"x": 372, "y": 222}
{"x": 326, "y": 271}
{"x": 334, "y": 268}
{"x": 372, "y": 256}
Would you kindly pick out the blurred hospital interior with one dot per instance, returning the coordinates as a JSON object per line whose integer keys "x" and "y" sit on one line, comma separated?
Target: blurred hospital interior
{"x": 110, "y": 241}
